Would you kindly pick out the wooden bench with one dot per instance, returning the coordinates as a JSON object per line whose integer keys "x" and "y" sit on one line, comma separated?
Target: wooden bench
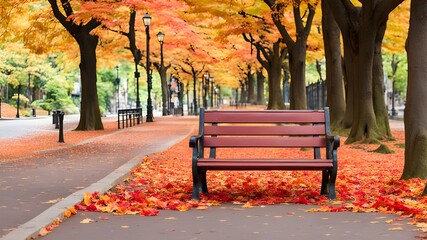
{"x": 264, "y": 129}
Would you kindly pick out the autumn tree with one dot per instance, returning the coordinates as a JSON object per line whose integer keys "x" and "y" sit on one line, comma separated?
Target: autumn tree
{"x": 415, "y": 116}
{"x": 362, "y": 30}
{"x": 90, "y": 115}
{"x": 271, "y": 58}
{"x": 334, "y": 76}
{"x": 297, "y": 48}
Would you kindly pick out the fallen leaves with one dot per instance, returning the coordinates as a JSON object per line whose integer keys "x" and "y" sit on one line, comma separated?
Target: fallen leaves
{"x": 69, "y": 212}
{"x": 367, "y": 182}
{"x": 46, "y": 230}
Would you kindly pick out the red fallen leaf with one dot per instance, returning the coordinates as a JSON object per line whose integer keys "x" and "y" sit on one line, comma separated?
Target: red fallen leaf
{"x": 80, "y": 207}
{"x": 91, "y": 208}
{"x": 149, "y": 212}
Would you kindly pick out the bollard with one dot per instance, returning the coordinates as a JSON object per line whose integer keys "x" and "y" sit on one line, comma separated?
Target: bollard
{"x": 54, "y": 119}
{"x": 33, "y": 112}
{"x": 57, "y": 113}
{"x": 61, "y": 126}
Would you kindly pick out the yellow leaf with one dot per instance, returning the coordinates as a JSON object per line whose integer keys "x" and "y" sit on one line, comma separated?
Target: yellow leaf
{"x": 183, "y": 208}
{"x": 86, "y": 198}
{"x": 43, "y": 232}
{"x": 395, "y": 229}
{"x": 87, "y": 220}
{"x": 53, "y": 201}
{"x": 124, "y": 226}
{"x": 247, "y": 205}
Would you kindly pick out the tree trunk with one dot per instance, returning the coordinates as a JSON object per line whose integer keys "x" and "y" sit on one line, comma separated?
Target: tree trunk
{"x": 162, "y": 72}
{"x": 251, "y": 87}
{"x": 272, "y": 62}
{"x": 260, "y": 87}
{"x": 334, "y": 76}
{"x": 415, "y": 116}
{"x": 297, "y": 54}
{"x": 275, "y": 98}
{"x": 364, "y": 126}
{"x": 380, "y": 108}
{"x": 90, "y": 115}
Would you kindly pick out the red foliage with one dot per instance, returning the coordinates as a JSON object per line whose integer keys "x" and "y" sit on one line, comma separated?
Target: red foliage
{"x": 367, "y": 182}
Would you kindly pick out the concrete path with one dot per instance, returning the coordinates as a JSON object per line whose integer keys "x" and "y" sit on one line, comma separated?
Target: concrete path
{"x": 30, "y": 186}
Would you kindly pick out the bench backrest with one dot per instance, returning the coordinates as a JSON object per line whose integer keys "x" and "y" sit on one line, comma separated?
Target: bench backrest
{"x": 283, "y": 128}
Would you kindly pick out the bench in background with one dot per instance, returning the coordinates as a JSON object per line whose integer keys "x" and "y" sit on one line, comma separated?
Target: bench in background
{"x": 129, "y": 117}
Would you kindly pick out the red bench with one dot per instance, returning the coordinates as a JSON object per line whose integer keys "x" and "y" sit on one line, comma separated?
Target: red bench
{"x": 264, "y": 129}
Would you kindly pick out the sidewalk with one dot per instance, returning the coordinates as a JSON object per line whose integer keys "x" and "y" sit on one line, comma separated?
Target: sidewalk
{"x": 28, "y": 185}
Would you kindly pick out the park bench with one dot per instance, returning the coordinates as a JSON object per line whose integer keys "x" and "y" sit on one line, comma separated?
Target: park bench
{"x": 264, "y": 129}
{"x": 129, "y": 117}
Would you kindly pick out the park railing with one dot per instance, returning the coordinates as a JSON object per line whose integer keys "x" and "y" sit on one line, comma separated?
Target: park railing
{"x": 129, "y": 117}
{"x": 316, "y": 95}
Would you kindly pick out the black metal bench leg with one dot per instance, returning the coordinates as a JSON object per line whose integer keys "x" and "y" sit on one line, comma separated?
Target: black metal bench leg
{"x": 331, "y": 187}
{"x": 204, "y": 182}
{"x": 196, "y": 183}
{"x": 325, "y": 181}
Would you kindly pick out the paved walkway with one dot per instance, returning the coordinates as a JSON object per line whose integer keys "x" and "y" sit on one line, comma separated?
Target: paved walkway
{"x": 28, "y": 185}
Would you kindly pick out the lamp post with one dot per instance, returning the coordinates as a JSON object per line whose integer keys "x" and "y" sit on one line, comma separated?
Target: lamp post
{"x": 147, "y": 22}
{"x": 18, "y": 102}
{"x": 211, "y": 80}
{"x": 205, "y": 85}
{"x": 137, "y": 75}
{"x": 118, "y": 88}
{"x": 162, "y": 71}
{"x": 29, "y": 88}
{"x": 170, "y": 95}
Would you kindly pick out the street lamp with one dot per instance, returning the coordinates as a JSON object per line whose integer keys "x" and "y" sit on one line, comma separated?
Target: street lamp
{"x": 147, "y": 22}
{"x": 211, "y": 80}
{"x": 118, "y": 88}
{"x": 160, "y": 38}
{"x": 137, "y": 75}
{"x": 18, "y": 102}
{"x": 28, "y": 88}
{"x": 205, "y": 85}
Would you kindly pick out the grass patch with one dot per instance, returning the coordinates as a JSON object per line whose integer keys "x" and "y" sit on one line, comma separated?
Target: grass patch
{"x": 400, "y": 145}
{"x": 383, "y": 149}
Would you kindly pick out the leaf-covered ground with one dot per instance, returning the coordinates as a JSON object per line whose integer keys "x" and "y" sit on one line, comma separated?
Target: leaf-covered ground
{"x": 367, "y": 182}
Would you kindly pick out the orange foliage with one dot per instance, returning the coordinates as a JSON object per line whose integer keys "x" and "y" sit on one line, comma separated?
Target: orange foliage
{"x": 367, "y": 182}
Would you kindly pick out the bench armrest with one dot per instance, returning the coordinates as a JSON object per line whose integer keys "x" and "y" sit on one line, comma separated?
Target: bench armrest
{"x": 196, "y": 142}
{"x": 332, "y": 144}
{"x": 333, "y": 141}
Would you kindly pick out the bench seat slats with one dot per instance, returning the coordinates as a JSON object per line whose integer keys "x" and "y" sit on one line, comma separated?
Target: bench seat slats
{"x": 265, "y": 117}
{"x": 265, "y": 142}
{"x": 264, "y": 164}
{"x": 265, "y": 130}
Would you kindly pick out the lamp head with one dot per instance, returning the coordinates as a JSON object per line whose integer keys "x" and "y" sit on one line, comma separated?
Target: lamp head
{"x": 160, "y": 37}
{"x": 147, "y": 19}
